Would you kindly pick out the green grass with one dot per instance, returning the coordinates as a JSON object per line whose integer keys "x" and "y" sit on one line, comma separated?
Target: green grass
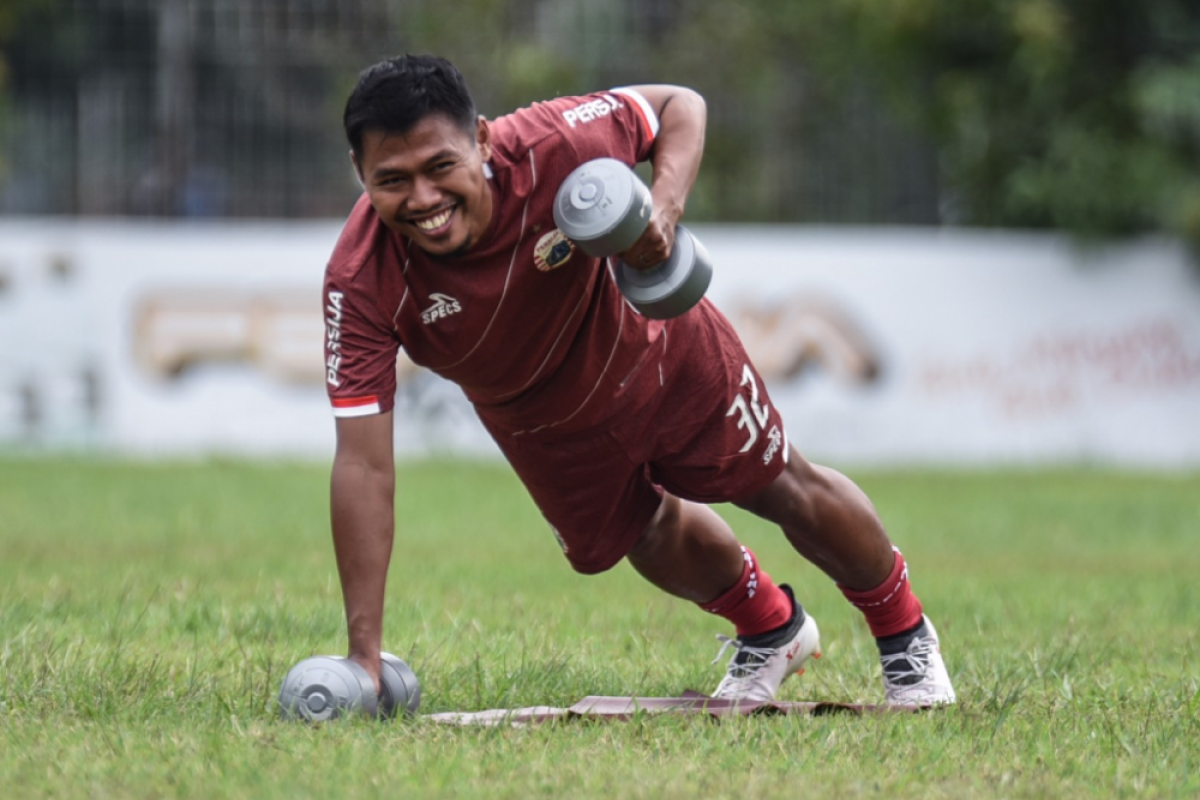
{"x": 149, "y": 611}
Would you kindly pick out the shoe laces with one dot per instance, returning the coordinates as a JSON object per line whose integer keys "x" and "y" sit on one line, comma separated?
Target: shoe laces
{"x": 909, "y": 666}
{"x": 746, "y": 659}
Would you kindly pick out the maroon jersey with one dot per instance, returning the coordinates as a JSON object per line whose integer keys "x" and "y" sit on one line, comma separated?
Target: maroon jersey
{"x": 533, "y": 329}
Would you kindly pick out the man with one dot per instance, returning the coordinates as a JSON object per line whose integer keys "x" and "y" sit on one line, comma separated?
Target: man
{"x": 621, "y": 428}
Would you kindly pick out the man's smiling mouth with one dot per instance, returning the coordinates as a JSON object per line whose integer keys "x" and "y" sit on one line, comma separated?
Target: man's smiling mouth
{"x": 436, "y": 221}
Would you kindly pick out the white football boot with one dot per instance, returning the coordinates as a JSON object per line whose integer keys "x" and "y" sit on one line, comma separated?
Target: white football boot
{"x": 756, "y": 670}
{"x": 918, "y": 676}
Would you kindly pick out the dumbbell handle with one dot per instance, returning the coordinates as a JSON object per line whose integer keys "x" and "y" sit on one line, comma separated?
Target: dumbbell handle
{"x": 680, "y": 232}
{"x": 395, "y": 678}
{"x": 370, "y": 697}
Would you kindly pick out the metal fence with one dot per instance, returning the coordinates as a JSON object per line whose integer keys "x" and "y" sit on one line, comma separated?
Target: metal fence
{"x": 232, "y": 108}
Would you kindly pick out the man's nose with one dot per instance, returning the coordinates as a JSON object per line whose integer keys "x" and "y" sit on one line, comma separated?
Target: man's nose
{"x": 425, "y": 194}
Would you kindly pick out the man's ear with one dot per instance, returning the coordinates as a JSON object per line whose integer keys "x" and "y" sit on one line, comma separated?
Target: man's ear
{"x": 483, "y": 138}
{"x": 357, "y": 170}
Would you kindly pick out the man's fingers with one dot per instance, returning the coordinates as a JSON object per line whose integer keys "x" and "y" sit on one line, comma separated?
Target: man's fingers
{"x": 651, "y": 249}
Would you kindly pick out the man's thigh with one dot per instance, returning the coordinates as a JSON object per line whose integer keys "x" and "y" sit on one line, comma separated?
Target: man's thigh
{"x": 597, "y": 500}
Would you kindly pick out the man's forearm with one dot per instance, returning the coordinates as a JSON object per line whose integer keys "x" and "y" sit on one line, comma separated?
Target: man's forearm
{"x": 361, "y": 506}
{"x": 678, "y": 151}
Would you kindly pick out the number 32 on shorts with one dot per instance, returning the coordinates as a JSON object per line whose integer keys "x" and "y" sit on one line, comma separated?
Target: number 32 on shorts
{"x": 752, "y": 416}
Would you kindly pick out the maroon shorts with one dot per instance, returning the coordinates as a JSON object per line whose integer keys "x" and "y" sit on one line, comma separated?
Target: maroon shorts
{"x": 695, "y": 421}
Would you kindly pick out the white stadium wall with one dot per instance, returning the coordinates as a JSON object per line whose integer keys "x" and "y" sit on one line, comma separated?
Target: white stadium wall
{"x": 880, "y": 346}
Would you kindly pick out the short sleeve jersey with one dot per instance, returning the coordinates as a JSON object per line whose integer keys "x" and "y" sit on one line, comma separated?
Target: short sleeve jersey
{"x": 533, "y": 329}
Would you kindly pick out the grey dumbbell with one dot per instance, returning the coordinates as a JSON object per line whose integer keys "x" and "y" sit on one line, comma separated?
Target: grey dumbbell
{"x": 322, "y": 688}
{"x": 401, "y": 689}
{"x": 604, "y": 208}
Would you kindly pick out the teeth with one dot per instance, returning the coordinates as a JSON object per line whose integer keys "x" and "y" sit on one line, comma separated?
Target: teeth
{"x": 435, "y": 222}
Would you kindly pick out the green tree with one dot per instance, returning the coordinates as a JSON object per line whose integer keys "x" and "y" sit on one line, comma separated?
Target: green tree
{"x": 8, "y": 22}
{"x": 1068, "y": 114}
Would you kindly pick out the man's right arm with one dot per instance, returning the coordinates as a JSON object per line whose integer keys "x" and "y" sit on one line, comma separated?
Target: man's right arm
{"x": 362, "y": 497}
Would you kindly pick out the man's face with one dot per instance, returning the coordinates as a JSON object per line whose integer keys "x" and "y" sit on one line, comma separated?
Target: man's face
{"x": 428, "y": 184}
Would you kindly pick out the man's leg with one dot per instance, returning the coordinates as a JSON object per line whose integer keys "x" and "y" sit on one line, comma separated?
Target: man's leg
{"x": 688, "y": 551}
{"x": 830, "y": 522}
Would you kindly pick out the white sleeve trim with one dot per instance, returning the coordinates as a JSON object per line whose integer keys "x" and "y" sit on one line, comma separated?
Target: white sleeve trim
{"x": 642, "y": 103}
{"x": 364, "y": 410}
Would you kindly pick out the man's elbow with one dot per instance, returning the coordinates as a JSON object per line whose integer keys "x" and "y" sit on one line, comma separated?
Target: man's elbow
{"x": 687, "y": 100}
{"x": 355, "y": 467}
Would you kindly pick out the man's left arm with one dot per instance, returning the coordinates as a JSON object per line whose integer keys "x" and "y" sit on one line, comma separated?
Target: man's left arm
{"x": 675, "y": 158}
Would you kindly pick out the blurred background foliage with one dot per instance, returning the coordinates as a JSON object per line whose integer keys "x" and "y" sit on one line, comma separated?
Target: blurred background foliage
{"x": 1066, "y": 114}
{"x": 1046, "y": 113}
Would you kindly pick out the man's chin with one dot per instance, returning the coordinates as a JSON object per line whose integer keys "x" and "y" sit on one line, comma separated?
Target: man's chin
{"x": 446, "y": 250}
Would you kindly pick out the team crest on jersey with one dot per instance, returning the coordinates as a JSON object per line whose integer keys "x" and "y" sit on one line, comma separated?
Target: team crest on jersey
{"x": 552, "y": 251}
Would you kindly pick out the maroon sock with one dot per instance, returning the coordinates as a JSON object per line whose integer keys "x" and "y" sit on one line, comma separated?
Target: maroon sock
{"x": 891, "y": 607}
{"x": 754, "y": 604}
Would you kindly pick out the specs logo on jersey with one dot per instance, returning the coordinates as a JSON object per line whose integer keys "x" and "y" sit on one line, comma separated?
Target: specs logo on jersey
{"x": 333, "y": 338}
{"x": 592, "y": 109}
{"x": 775, "y": 437}
{"x": 552, "y": 250}
{"x": 443, "y": 306}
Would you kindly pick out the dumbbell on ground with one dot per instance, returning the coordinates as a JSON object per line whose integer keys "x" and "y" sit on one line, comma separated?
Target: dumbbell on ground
{"x": 603, "y": 207}
{"x": 321, "y": 688}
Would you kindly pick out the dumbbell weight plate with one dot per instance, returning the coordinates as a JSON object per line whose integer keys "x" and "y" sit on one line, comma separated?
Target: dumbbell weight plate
{"x": 603, "y": 207}
{"x": 325, "y": 687}
{"x": 673, "y": 287}
{"x": 401, "y": 689}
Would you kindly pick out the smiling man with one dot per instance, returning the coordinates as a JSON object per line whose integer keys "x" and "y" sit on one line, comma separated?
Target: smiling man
{"x": 428, "y": 183}
{"x": 623, "y": 429}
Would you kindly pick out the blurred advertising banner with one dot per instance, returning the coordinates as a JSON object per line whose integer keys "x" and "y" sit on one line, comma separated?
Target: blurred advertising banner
{"x": 879, "y": 345}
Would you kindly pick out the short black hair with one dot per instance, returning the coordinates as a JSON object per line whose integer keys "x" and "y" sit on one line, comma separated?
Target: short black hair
{"x": 395, "y": 94}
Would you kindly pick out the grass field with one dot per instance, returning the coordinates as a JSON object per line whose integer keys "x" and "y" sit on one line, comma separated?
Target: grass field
{"x": 149, "y": 611}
